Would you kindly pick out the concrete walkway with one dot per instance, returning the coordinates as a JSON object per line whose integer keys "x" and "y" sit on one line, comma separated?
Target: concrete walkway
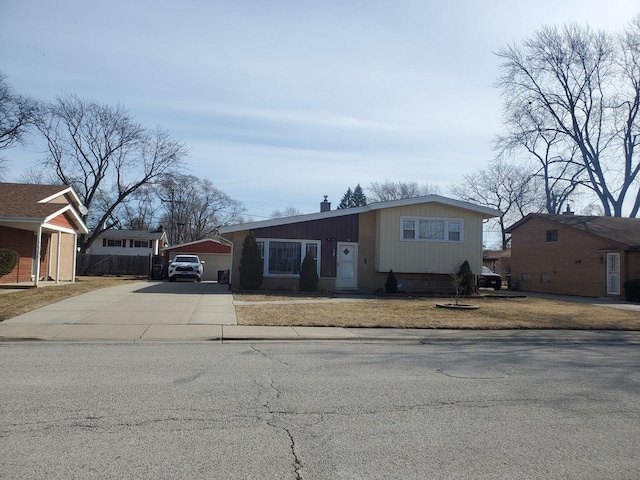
{"x": 189, "y": 311}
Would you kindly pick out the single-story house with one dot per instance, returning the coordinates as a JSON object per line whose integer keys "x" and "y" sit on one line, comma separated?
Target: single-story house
{"x": 129, "y": 242}
{"x": 216, "y": 254}
{"x": 41, "y": 223}
{"x": 574, "y": 254}
{"x": 423, "y": 240}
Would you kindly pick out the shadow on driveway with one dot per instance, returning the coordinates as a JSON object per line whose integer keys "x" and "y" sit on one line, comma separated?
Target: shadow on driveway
{"x": 186, "y": 288}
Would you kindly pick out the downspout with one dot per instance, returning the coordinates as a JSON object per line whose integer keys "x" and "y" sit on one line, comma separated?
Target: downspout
{"x": 58, "y": 258}
{"x": 37, "y": 255}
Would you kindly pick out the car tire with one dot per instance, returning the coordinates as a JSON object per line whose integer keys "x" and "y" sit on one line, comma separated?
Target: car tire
{"x": 172, "y": 279}
{"x": 497, "y": 287}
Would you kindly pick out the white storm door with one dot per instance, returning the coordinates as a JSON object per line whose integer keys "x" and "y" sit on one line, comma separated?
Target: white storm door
{"x": 613, "y": 273}
{"x": 347, "y": 265}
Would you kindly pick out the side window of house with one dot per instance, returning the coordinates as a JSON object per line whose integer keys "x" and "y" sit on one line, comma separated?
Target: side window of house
{"x": 431, "y": 229}
{"x": 112, "y": 242}
{"x": 552, "y": 235}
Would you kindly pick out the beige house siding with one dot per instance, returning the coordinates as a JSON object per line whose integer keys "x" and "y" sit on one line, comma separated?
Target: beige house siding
{"x": 427, "y": 257}
{"x": 67, "y": 246}
{"x": 368, "y": 278}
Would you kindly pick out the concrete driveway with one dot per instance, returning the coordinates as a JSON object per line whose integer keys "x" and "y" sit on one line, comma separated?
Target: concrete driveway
{"x": 136, "y": 311}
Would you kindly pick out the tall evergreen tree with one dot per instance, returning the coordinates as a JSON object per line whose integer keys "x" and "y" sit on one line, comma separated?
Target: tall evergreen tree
{"x": 250, "y": 264}
{"x": 359, "y": 199}
{"x": 353, "y": 198}
{"x": 346, "y": 201}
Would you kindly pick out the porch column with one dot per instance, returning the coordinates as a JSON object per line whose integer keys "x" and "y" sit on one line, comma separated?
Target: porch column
{"x": 58, "y": 258}
{"x": 37, "y": 256}
{"x": 74, "y": 248}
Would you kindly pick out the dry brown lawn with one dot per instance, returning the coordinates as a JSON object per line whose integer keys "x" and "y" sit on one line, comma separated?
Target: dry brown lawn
{"x": 16, "y": 303}
{"x": 494, "y": 313}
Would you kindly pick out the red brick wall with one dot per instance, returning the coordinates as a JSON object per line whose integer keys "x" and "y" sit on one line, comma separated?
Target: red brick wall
{"x": 573, "y": 264}
{"x": 22, "y": 242}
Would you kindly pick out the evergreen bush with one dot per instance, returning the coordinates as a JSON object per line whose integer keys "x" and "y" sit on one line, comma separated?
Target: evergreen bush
{"x": 391, "y": 285}
{"x": 466, "y": 279}
{"x": 632, "y": 290}
{"x": 250, "y": 264}
{"x": 309, "y": 274}
{"x": 8, "y": 260}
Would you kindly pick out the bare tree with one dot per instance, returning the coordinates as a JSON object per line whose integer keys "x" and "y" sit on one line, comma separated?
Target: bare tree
{"x": 105, "y": 155}
{"x": 390, "y": 190}
{"x": 503, "y": 186}
{"x": 16, "y": 116}
{"x": 557, "y": 165}
{"x": 139, "y": 212}
{"x": 583, "y": 86}
{"x": 286, "y": 212}
{"x": 194, "y": 208}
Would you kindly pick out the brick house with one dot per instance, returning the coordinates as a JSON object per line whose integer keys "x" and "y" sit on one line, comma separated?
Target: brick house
{"x": 423, "y": 240}
{"x": 575, "y": 255}
{"x": 41, "y": 223}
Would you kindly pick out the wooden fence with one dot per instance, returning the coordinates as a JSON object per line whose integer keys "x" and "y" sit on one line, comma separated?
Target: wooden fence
{"x": 99, "y": 265}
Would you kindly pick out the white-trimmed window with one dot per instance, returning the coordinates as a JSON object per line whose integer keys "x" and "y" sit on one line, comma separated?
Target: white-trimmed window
{"x": 283, "y": 257}
{"x": 431, "y": 229}
{"x": 113, "y": 242}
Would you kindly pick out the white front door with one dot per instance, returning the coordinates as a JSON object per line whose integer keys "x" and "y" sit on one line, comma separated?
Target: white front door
{"x": 613, "y": 273}
{"x": 347, "y": 265}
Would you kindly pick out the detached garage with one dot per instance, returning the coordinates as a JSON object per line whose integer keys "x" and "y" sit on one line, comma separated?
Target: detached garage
{"x": 216, "y": 255}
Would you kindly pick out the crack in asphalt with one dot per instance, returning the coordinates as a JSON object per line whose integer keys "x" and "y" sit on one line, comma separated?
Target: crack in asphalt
{"x": 269, "y": 357}
{"x": 272, "y": 422}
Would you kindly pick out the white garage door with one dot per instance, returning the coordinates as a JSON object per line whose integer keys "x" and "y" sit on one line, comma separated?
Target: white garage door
{"x": 214, "y": 262}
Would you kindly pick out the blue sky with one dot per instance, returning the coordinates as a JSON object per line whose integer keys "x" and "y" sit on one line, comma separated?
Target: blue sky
{"x": 281, "y": 102}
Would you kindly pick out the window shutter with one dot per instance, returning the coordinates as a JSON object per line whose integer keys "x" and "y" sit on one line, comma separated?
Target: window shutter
{"x": 104, "y": 242}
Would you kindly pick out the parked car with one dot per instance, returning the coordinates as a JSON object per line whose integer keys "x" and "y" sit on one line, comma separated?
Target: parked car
{"x": 186, "y": 266}
{"x": 489, "y": 279}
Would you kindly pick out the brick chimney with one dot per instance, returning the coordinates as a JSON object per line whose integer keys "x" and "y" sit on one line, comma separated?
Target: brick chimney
{"x": 325, "y": 206}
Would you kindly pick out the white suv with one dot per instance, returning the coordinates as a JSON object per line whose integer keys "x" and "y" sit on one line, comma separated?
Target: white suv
{"x": 186, "y": 266}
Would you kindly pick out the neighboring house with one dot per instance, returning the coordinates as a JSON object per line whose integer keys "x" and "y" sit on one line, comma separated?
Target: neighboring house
{"x": 499, "y": 261}
{"x": 129, "y": 242}
{"x": 215, "y": 253}
{"x": 575, "y": 255}
{"x": 41, "y": 223}
{"x": 423, "y": 240}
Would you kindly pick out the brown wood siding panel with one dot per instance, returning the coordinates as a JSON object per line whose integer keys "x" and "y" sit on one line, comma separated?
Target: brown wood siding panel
{"x": 63, "y": 221}
{"x": 328, "y": 231}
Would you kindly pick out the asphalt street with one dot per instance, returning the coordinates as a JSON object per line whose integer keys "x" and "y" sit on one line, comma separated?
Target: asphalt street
{"x": 308, "y": 410}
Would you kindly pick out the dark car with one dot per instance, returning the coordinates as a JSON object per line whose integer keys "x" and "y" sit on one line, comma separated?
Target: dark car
{"x": 489, "y": 279}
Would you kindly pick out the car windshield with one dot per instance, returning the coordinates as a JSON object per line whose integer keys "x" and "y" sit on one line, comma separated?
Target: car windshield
{"x": 486, "y": 270}
{"x": 186, "y": 258}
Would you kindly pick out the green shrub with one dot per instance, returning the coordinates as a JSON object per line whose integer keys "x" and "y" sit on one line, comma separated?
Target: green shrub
{"x": 309, "y": 274}
{"x": 391, "y": 285}
{"x": 632, "y": 290}
{"x": 250, "y": 264}
{"x": 8, "y": 260}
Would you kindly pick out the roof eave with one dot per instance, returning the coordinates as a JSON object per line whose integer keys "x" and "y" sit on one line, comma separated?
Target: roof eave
{"x": 486, "y": 212}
